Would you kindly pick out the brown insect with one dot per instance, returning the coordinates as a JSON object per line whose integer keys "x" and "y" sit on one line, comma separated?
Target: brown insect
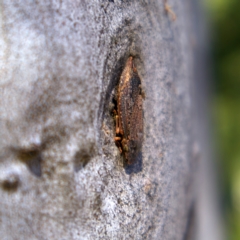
{"x": 129, "y": 113}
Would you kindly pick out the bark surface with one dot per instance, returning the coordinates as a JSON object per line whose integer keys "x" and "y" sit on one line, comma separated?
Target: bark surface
{"x": 61, "y": 174}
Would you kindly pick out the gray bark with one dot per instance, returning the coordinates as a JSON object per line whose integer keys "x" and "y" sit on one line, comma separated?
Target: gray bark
{"x": 61, "y": 174}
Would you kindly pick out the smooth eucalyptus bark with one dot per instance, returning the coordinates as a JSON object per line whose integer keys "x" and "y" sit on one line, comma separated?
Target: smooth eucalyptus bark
{"x": 61, "y": 173}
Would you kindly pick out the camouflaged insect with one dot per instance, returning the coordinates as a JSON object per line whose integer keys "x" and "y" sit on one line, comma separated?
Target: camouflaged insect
{"x": 129, "y": 113}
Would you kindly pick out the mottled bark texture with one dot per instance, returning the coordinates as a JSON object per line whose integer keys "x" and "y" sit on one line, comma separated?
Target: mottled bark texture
{"x": 61, "y": 174}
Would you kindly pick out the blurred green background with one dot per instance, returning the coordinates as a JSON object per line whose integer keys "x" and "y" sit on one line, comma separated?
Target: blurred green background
{"x": 225, "y": 36}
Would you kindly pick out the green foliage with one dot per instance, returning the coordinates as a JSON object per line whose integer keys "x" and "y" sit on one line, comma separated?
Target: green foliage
{"x": 225, "y": 16}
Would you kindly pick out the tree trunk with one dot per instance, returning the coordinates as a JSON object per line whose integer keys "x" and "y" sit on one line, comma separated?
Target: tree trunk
{"x": 62, "y": 175}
